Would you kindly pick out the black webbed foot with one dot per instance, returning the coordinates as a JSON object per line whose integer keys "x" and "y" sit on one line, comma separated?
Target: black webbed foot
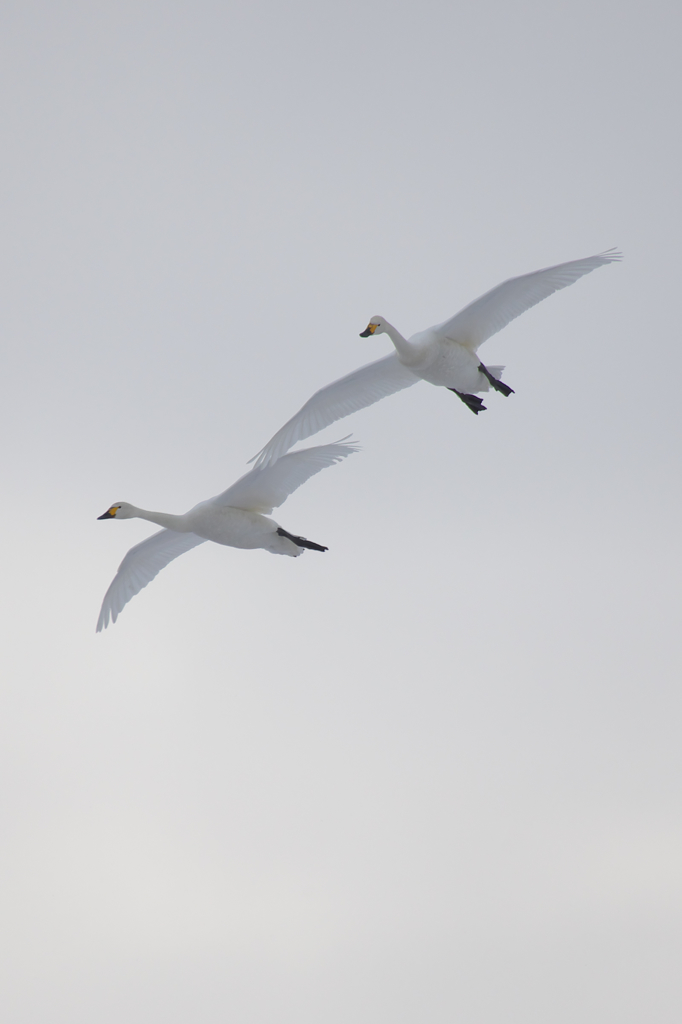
{"x": 302, "y": 542}
{"x": 472, "y": 402}
{"x": 504, "y": 389}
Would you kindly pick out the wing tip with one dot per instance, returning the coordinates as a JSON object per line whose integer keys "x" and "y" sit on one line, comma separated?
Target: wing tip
{"x": 347, "y": 444}
{"x": 613, "y": 255}
{"x": 267, "y": 456}
{"x": 337, "y": 449}
{"x": 107, "y": 616}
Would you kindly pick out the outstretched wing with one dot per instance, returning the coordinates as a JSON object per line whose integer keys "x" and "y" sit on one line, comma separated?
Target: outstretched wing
{"x": 264, "y": 488}
{"x": 355, "y": 391}
{"x": 486, "y": 316}
{"x": 140, "y": 566}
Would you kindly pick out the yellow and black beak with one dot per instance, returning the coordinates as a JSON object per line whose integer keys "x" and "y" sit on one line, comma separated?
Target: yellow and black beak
{"x": 110, "y": 512}
{"x": 370, "y": 329}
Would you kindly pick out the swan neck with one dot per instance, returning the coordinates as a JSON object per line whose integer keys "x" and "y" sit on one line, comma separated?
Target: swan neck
{"x": 402, "y": 345}
{"x": 165, "y": 519}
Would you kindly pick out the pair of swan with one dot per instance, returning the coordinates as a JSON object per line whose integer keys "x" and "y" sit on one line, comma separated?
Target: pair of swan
{"x": 444, "y": 355}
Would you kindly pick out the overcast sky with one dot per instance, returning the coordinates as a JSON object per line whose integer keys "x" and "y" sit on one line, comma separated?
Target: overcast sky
{"x": 432, "y": 775}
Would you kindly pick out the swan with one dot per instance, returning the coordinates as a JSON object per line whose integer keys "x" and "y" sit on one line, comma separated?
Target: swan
{"x": 238, "y": 518}
{"x": 444, "y": 355}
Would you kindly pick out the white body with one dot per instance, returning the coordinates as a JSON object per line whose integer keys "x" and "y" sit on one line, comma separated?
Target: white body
{"x": 237, "y": 518}
{"x": 444, "y": 355}
{"x": 223, "y": 524}
{"x": 444, "y": 363}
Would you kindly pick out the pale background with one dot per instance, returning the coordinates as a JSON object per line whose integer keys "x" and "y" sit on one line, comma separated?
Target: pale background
{"x": 430, "y": 776}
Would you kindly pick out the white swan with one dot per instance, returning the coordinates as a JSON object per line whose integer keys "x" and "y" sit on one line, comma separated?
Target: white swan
{"x": 237, "y": 517}
{"x": 444, "y": 355}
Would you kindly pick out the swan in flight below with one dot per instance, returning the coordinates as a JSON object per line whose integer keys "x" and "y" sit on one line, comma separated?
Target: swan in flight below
{"x": 238, "y": 518}
{"x": 444, "y": 355}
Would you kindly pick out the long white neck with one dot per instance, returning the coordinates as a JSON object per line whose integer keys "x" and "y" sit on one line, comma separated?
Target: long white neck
{"x": 407, "y": 353}
{"x": 165, "y": 519}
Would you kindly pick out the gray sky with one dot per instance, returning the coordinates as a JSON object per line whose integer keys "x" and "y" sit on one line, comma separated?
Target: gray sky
{"x": 433, "y": 775}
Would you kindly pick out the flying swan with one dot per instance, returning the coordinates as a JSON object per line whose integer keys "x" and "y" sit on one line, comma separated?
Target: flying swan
{"x": 237, "y": 518}
{"x": 444, "y": 355}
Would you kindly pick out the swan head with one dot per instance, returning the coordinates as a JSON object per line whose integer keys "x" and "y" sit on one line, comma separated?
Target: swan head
{"x": 121, "y": 510}
{"x": 377, "y": 325}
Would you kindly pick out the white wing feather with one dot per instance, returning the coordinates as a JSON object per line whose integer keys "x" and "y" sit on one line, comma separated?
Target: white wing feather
{"x": 491, "y": 312}
{"x": 264, "y": 488}
{"x": 355, "y": 391}
{"x": 139, "y": 567}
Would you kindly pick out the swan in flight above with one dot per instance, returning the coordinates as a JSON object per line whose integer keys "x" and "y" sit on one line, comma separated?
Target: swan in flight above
{"x": 238, "y": 518}
{"x": 444, "y": 355}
